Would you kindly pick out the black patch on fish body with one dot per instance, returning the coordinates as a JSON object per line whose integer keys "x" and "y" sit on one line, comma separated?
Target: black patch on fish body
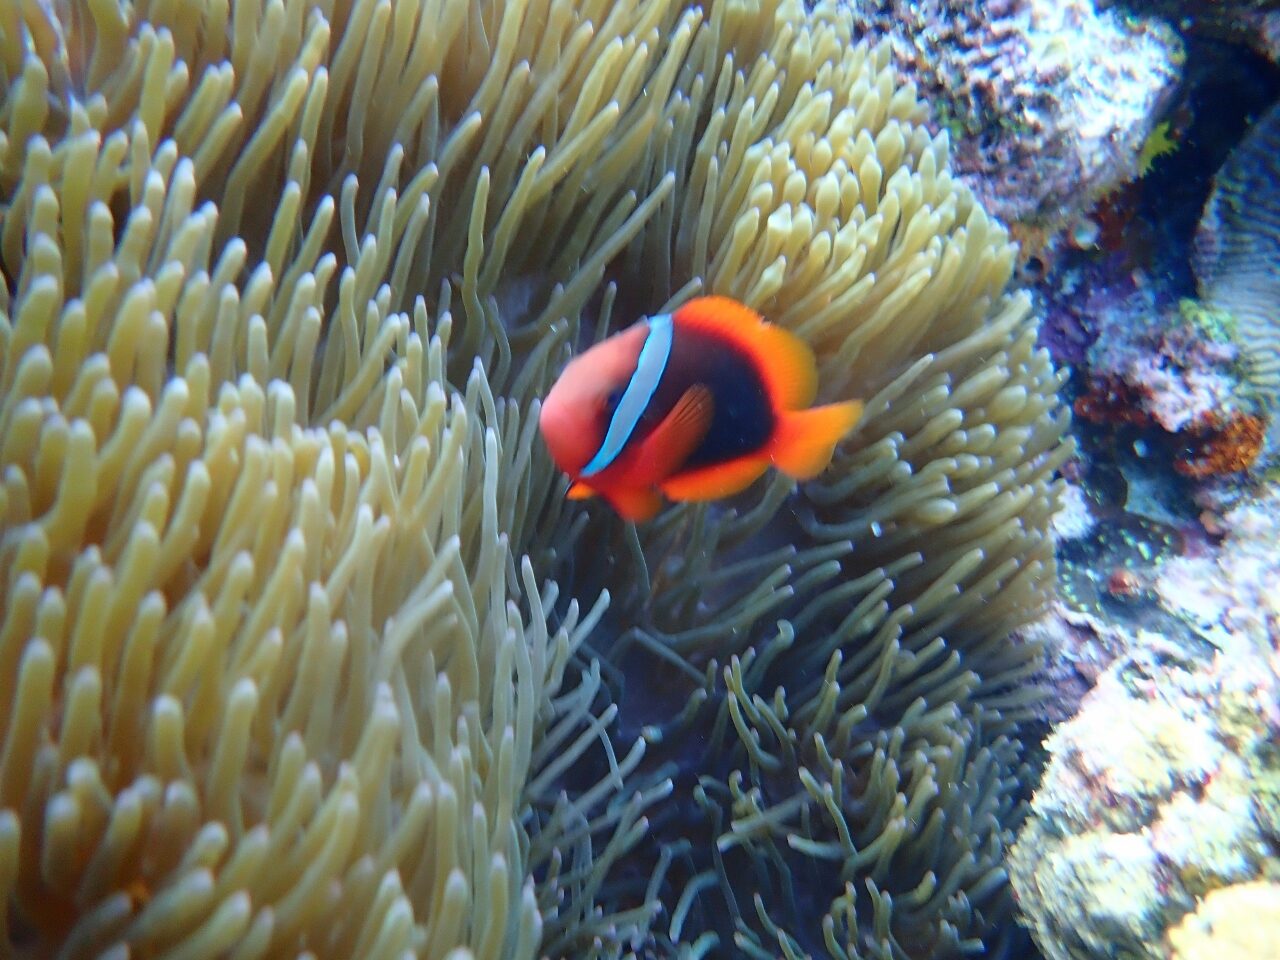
{"x": 742, "y": 420}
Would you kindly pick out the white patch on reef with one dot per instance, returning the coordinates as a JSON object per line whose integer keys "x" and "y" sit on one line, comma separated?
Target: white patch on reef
{"x": 1074, "y": 520}
{"x": 1114, "y": 72}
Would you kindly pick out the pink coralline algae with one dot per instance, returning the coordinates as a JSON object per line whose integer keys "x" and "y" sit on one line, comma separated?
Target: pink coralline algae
{"x": 1176, "y": 369}
{"x": 1232, "y": 594}
{"x": 1048, "y": 101}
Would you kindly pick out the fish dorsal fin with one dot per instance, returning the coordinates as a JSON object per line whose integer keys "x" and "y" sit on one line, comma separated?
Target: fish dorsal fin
{"x": 785, "y": 362}
{"x": 675, "y": 439}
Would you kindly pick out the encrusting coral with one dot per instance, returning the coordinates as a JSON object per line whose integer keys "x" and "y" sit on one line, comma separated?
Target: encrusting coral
{"x": 1160, "y": 797}
{"x": 1049, "y": 101}
{"x": 1240, "y": 922}
{"x": 284, "y": 665}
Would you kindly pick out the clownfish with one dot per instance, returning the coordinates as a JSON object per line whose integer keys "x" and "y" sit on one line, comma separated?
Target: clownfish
{"x": 690, "y": 405}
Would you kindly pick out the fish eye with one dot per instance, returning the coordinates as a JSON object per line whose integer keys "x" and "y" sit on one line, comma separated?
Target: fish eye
{"x": 612, "y": 400}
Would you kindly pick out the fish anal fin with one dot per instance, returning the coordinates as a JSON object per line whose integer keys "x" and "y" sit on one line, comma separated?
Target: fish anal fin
{"x": 636, "y": 504}
{"x": 804, "y": 441}
{"x": 785, "y": 362}
{"x": 715, "y": 482}
{"x": 675, "y": 439}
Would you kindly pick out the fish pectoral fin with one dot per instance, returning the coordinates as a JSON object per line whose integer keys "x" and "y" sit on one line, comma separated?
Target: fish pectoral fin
{"x": 805, "y": 440}
{"x": 579, "y": 491}
{"x": 712, "y": 483}
{"x": 675, "y": 439}
{"x": 636, "y": 504}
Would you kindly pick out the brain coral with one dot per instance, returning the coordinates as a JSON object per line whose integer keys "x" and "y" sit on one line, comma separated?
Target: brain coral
{"x": 1238, "y": 246}
{"x": 286, "y": 669}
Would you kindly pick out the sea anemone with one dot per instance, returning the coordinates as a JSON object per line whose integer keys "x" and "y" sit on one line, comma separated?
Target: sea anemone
{"x": 286, "y": 666}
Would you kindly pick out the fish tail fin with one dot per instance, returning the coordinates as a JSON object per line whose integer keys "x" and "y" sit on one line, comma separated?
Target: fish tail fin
{"x": 805, "y": 440}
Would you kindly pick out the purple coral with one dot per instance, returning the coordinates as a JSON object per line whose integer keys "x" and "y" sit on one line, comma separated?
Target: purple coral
{"x": 1179, "y": 370}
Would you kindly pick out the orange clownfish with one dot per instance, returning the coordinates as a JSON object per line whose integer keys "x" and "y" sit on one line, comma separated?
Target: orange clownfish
{"x": 690, "y": 405}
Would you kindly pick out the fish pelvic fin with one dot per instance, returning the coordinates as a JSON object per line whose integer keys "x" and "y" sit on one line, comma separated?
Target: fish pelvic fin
{"x": 636, "y": 504}
{"x": 804, "y": 441}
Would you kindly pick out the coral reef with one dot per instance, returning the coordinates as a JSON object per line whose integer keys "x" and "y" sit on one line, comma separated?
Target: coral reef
{"x": 1166, "y": 786}
{"x": 1169, "y": 374}
{"x": 1158, "y": 807}
{"x": 1049, "y": 103}
{"x": 1154, "y": 796}
{"x": 1228, "y": 595}
{"x": 292, "y": 610}
{"x": 1107, "y": 564}
{"x": 1169, "y": 368}
{"x": 1139, "y": 559}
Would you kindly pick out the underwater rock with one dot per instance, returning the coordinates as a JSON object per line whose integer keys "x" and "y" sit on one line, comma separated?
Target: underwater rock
{"x": 1169, "y": 375}
{"x": 1167, "y": 367}
{"x": 1080, "y": 632}
{"x": 1252, "y": 22}
{"x": 1229, "y": 595}
{"x": 1079, "y": 645}
{"x": 1165, "y": 787}
{"x": 1048, "y": 101}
